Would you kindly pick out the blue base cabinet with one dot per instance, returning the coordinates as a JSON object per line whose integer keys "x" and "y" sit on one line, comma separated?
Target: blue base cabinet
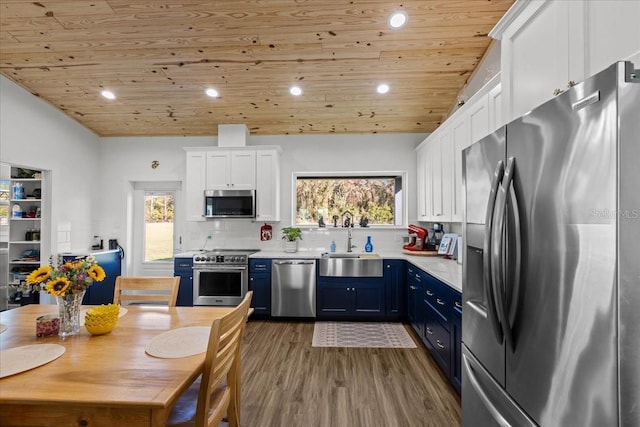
{"x": 183, "y": 267}
{"x": 415, "y": 309}
{"x": 350, "y": 298}
{"x": 435, "y": 312}
{"x": 395, "y": 291}
{"x": 456, "y": 342}
{"x": 102, "y": 292}
{"x": 260, "y": 284}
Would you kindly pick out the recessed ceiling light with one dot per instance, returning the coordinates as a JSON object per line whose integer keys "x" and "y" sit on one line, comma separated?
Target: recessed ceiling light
{"x": 211, "y": 92}
{"x": 383, "y": 88}
{"x": 108, "y": 94}
{"x": 295, "y": 90}
{"x": 397, "y": 19}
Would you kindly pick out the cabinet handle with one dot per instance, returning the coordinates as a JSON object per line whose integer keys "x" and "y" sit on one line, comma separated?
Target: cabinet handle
{"x": 439, "y": 344}
{"x": 439, "y": 301}
{"x": 429, "y": 331}
{"x": 418, "y": 277}
{"x": 429, "y": 293}
{"x": 413, "y": 288}
{"x": 251, "y": 278}
{"x": 458, "y": 304}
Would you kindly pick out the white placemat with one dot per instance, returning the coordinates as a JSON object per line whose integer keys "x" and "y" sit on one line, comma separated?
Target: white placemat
{"x": 20, "y": 359}
{"x": 3, "y": 328}
{"x": 182, "y": 342}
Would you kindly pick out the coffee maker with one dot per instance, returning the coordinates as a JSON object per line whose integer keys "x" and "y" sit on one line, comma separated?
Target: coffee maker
{"x": 417, "y": 238}
{"x": 435, "y": 237}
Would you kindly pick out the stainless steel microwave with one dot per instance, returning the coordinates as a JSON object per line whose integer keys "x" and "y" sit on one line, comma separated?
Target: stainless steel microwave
{"x": 229, "y": 203}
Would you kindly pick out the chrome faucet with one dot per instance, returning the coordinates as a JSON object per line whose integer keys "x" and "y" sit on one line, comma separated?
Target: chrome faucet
{"x": 349, "y": 245}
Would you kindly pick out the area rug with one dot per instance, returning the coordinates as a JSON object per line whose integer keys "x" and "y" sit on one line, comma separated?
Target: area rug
{"x": 361, "y": 334}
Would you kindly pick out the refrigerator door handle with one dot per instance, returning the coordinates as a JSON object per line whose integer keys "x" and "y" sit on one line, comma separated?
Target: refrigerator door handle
{"x": 487, "y": 252}
{"x": 471, "y": 376}
{"x": 515, "y": 287}
{"x": 498, "y": 265}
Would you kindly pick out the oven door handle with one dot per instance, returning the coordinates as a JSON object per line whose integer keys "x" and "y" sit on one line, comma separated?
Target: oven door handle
{"x": 221, "y": 268}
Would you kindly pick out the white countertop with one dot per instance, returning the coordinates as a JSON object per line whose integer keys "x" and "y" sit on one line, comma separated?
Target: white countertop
{"x": 445, "y": 270}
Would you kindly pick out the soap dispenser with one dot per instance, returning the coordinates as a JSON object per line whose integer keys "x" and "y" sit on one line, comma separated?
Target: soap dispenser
{"x": 333, "y": 246}
{"x": 368, "y": 247}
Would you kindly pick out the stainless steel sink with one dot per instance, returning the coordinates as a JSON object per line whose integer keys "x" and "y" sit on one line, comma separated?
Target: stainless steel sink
{"x": 350, "y": 265}
{"x": 344, "y": 255}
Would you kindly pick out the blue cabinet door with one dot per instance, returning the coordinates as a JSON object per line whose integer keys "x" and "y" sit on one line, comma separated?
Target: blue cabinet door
{"x": 332, "y": 299}
{"x": 183, "y": 267}
{"x": 414, "y": 301}
{"x": 260, "y": 284}
{"x": 395, "y": 289}
{"x": 456, "y": 343}
{"x": 366, "y": 299}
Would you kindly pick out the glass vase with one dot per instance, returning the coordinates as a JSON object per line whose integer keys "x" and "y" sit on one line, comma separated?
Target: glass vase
{"x": 69, "y": 312}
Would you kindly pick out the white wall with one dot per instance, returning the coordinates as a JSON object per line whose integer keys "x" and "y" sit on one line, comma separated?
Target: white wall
{"x": 129, "y": 159}
{"x": 35, "y": 134}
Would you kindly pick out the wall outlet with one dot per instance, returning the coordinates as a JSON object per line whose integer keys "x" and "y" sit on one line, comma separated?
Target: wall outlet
{"x": 209, "y": 236}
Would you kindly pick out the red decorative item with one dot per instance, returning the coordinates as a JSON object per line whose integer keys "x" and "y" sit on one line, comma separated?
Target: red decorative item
{"x": 266, "y": 232}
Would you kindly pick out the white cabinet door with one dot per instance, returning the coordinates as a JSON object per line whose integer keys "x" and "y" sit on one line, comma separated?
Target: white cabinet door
{"x": 441, "y": 162}
{"x": 423, "y": 184}
{"x": 218, "y": 170}
{"x": 478, "y": 116}
{"x": 459, "y": 141}
{"x": 267, "y": 185}
{"x": 231, "y": 170}
{"x": 195, "y": 181}
{"x": 495, "y": 108}
{"x": 242, "y": 170}
{"x": 613, "y": 32}
{"x": 535, "y": 56}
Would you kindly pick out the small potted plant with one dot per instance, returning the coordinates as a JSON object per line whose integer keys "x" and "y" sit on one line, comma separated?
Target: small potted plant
{"x": 291, "y": 235}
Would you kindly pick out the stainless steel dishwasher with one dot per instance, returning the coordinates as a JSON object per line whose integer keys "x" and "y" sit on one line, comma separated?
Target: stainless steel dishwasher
{"x": 293, "y": 288}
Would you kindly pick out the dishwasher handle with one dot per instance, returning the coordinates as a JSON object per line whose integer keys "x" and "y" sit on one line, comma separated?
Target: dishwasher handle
{"x": 293, "y": 262}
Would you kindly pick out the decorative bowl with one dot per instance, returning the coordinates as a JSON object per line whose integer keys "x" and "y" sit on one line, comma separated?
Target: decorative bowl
{"x": 102, "y": 319}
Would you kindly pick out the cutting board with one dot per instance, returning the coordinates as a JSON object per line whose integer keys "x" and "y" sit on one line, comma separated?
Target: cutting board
{"x": 420, "y": 253}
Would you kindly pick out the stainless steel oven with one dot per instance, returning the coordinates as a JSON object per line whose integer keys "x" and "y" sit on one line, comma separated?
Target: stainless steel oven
{"x": 220, "y": 277}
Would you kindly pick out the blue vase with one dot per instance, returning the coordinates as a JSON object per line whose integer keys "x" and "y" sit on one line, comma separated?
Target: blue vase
{"x": 368, "y": 247}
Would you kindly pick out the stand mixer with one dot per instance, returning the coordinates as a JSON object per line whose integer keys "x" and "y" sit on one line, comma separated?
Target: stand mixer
{"x": 418, "y": 239}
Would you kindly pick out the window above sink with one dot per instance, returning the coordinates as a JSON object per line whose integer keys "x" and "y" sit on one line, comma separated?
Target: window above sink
{"x": 343, "y": 199}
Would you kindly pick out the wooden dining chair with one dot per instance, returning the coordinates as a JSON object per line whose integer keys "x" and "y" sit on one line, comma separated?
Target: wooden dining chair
{"x": 146, "y": 290}
{"x": 216, "y": 393}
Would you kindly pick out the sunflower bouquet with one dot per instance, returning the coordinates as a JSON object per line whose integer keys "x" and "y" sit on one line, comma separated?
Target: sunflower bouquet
{"x": 68, "y": 277}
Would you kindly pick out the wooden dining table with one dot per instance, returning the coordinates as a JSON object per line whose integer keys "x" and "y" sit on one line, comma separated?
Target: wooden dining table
{"x": 103, "y": 380}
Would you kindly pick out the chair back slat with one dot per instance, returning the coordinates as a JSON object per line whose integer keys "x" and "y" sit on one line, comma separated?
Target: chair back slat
{"x": 222, "y": 362}
{"x": 146, "y": 289}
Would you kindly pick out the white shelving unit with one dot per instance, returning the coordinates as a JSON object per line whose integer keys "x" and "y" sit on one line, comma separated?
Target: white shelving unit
{"x": 25, "y": 231}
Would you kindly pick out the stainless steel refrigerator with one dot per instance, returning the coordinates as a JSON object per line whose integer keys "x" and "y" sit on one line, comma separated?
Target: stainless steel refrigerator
{"x": 551, "y": 277}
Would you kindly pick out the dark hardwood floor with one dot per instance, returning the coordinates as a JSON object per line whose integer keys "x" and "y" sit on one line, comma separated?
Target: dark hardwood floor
{"x": 286, "y": 382}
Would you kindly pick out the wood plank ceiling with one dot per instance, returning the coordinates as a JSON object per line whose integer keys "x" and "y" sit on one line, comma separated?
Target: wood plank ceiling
{"x": 159, "y": 56}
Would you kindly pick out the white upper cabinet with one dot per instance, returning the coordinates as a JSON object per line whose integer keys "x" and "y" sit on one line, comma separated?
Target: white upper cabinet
{"x": 268, "y": 185}
{"x": 459, "y": 141}
{"x": 234, "y": 169}
{"x": 549, "y": 45}
{"x": 439, "y": 156}
{"x": 231, "y": 170}
{"x": 195, "y": 181}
